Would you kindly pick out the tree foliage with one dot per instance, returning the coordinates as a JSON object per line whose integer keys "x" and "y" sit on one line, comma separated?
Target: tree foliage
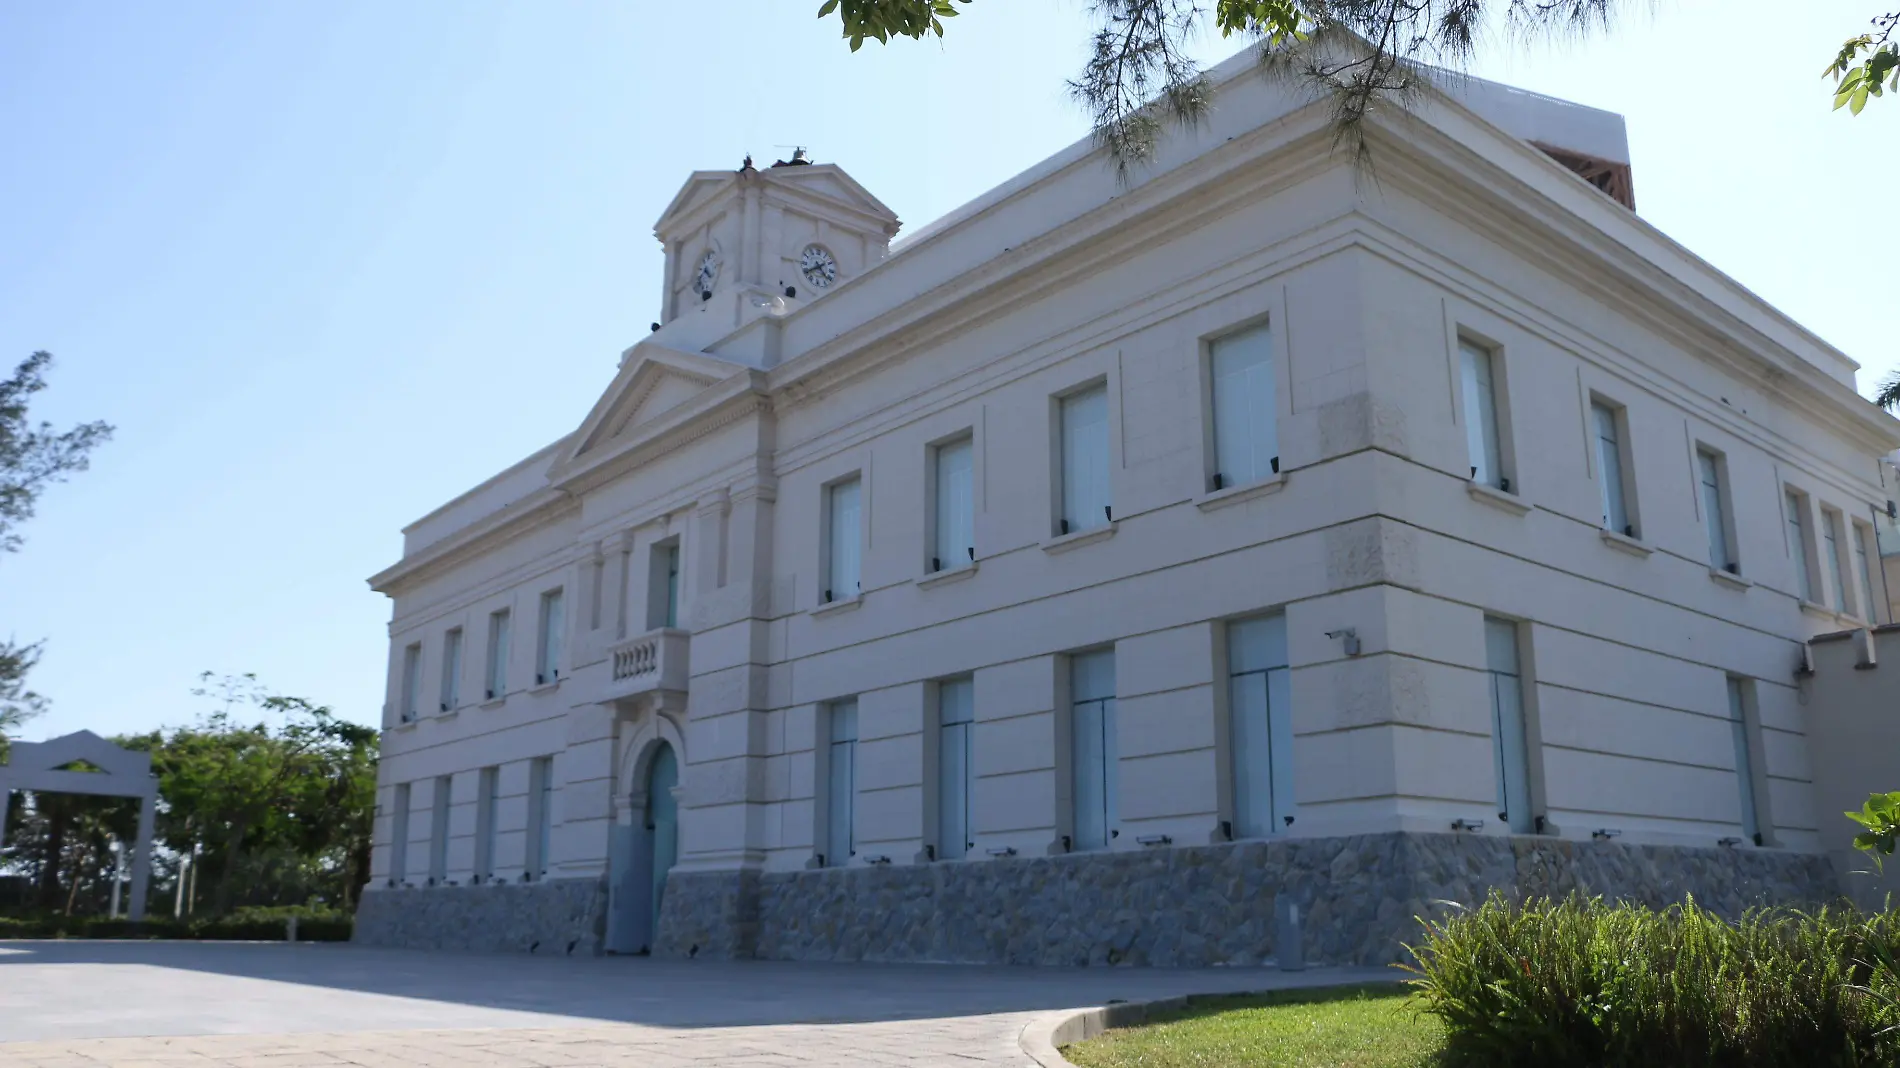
{"x": 32, "y": 456}
{"x": 273, "y": 796}
{"x": 1867, "y": 66}
{"x": 1357, "y": 54}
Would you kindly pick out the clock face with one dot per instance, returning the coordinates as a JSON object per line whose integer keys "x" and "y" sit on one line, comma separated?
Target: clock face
{"x": 818, "y": 267}
{"x": 708, "y": 272}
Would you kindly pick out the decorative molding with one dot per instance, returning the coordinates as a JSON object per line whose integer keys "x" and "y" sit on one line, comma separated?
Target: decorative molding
{"x": 1509, "y": 503}
{"x": 1209, "y": 502}
{"x": 1064, "y": 542}
{"x": 1623, "y": 543}
{"x": 947, "y": 576}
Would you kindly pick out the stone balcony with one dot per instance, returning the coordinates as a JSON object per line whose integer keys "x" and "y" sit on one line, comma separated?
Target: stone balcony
{"x": 656, "y": 660}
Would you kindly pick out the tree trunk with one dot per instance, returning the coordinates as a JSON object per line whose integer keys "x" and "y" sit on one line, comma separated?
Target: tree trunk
{"x": 233, "y": 852}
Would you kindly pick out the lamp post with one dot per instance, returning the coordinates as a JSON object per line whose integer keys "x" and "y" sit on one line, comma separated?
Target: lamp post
{"x": 118, "y": 856}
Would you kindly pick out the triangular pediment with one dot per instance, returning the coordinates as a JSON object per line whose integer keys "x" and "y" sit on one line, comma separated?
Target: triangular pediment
{"x": 700, "y": 189}
{"x": 829, "y": 182}
{"x": 57, "y": 763}
{"x": 654, "y": 380}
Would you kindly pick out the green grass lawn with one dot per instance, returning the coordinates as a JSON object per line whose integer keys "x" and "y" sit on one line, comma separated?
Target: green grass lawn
{"x": 1344, "y": 1027}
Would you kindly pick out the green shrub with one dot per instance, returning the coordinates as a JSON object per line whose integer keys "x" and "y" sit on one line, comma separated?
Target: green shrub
{"x": 1582, "y": 983}
{"x": 243, "y": 925}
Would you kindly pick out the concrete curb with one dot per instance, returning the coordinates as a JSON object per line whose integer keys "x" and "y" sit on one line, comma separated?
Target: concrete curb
{"x": 1042, "y": 1038}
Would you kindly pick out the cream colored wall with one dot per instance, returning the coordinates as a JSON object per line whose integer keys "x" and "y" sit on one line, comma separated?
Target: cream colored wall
{"x": 1372, "y": 528}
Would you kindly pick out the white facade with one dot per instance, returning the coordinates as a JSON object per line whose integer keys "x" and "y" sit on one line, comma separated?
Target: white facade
{"x": 1193, "y": 503}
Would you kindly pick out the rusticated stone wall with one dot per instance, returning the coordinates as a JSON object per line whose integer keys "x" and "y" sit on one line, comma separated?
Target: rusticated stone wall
{"x": 560, "y": 916}
{"x": 1359, "y": 897}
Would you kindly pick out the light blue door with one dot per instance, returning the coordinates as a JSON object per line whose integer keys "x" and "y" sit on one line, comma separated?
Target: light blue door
{"x": 662, "y": 822}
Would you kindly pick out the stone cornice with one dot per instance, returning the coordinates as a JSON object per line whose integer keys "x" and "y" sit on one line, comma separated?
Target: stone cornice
{"x": 531, "y": 513}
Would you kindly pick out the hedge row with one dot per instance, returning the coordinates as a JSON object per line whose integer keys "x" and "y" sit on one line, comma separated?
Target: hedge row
{"x": 236, "y": 927}
{"x": 1582, "y": 983}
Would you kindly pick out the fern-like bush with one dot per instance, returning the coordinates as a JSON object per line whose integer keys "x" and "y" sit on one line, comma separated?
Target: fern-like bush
{"x": 1585, "y": 983}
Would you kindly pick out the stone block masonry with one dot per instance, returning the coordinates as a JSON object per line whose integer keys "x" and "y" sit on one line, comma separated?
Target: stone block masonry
{"x": 1195, "y": 906}
{"x": 557, "y": 917}
{"x": 1359, "y": 898}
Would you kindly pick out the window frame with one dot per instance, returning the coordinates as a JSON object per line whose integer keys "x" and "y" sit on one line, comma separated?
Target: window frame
{"x": 1803, "y": 548}
{"x": 453, "y": 643}
{"x": 1627, "y": 495}
{"x": 1832, "y": 535}
{"x": 829, "y": 591}
{"x": 440, "y": 809}
{"x": 1505, "y": 478}
{"x": 1110, "y": 753}
{"x": 1503, "y": 748}
{"x": 409, "y": 699}
{"x": 487, "y": 809}
{"x": 550, "y": 638}
{"x": 1216, "y": 477}
{"x": 500, "y": 649}
{"x": 1865, "y": 551}
{"x": 1744, "y": 719}
{"x": 665, "y": 565}
{"x": 939, "y": 558}
{"x": 538, "y": 844}
{"x": 942, "y": 745}
{"x": 1061, "y": 481}
{"x": 1720, "y": 524}
{"x": 839, "y": 808}
{"x": 399, "y": 809}
{"x": 1279, "y": 745}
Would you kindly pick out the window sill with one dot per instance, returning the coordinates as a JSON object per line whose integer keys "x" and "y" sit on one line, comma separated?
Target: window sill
{"x": 946, "y": 577}
{"x": 1729, "y": 579}
{"x": 450, "y": 714}
{"x": 1062, "y": 543}
{"x": 403, "y": 725}
{"x": 1510, "y": 503}
{"x": 546, "y": 687}
{"x": 1626, "y": 544}
{"x": 1815, "y": 608}
{"x": 1221, "y": 498}
{"x": 834, "y": 607}
{"x": 494, "y": 702}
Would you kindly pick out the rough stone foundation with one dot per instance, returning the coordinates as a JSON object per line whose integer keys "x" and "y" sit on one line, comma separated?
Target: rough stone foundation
{"x": 1193, "y": 906}
{"x": 560, "y": 917}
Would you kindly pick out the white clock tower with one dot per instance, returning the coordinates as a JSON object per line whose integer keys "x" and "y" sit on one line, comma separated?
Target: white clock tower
{"x": 746, "y": 243}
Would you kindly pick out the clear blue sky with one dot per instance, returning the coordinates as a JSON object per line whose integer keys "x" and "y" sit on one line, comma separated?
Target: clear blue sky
{"x": 326, "y": 265}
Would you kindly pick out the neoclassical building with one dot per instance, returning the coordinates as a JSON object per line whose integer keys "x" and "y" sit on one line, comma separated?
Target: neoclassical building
{"x": 1105, "y": 566}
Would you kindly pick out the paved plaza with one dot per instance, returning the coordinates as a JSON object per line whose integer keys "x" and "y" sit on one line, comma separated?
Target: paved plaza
{"x": 236, "y": 1005}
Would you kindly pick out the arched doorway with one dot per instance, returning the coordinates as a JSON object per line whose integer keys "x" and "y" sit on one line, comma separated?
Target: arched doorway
{"x": 644, "y": 848}
{"x": 663, "y": 827}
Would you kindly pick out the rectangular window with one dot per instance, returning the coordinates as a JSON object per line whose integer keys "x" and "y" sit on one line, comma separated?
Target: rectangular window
{"x": 1094, "y": 756}
{"x": 1744, "y": 761}
{"x": 843, "y": 534}
{"x": 452, "y": 670}
{"x": 439, "y": 832}
{"x": 1260, "y": 725}
{"x": 1479, "y": 377}
{"x": 1798, "y": 545}
{"x": 540, "y": 816}
{"x": 547, "y": 661}
{"x": 956, "y": 723}
{"x": 1245, "y": 412}
{"x": 498, "y": 643}
{"x": 953, "y": 542}
{"x": 663, "y": 585}
{"x": 1714, "y": 485}
{"x": 1607, "y": 423}
{"x": 487, "y": 804}
{"x": 841, "y": 784}
{"x": 411, "y": 681}
{"x": 1510, "y": 755}
{"x": 1085, "y": 483}
{"x": 1863, "y": 569}
{"x": 399, "y": 835}
{"x": 670, "y": 561}
{"x": 1831, "y": 558}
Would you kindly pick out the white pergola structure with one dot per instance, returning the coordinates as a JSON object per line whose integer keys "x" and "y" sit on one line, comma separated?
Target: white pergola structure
{"x": 45, "y": 767}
